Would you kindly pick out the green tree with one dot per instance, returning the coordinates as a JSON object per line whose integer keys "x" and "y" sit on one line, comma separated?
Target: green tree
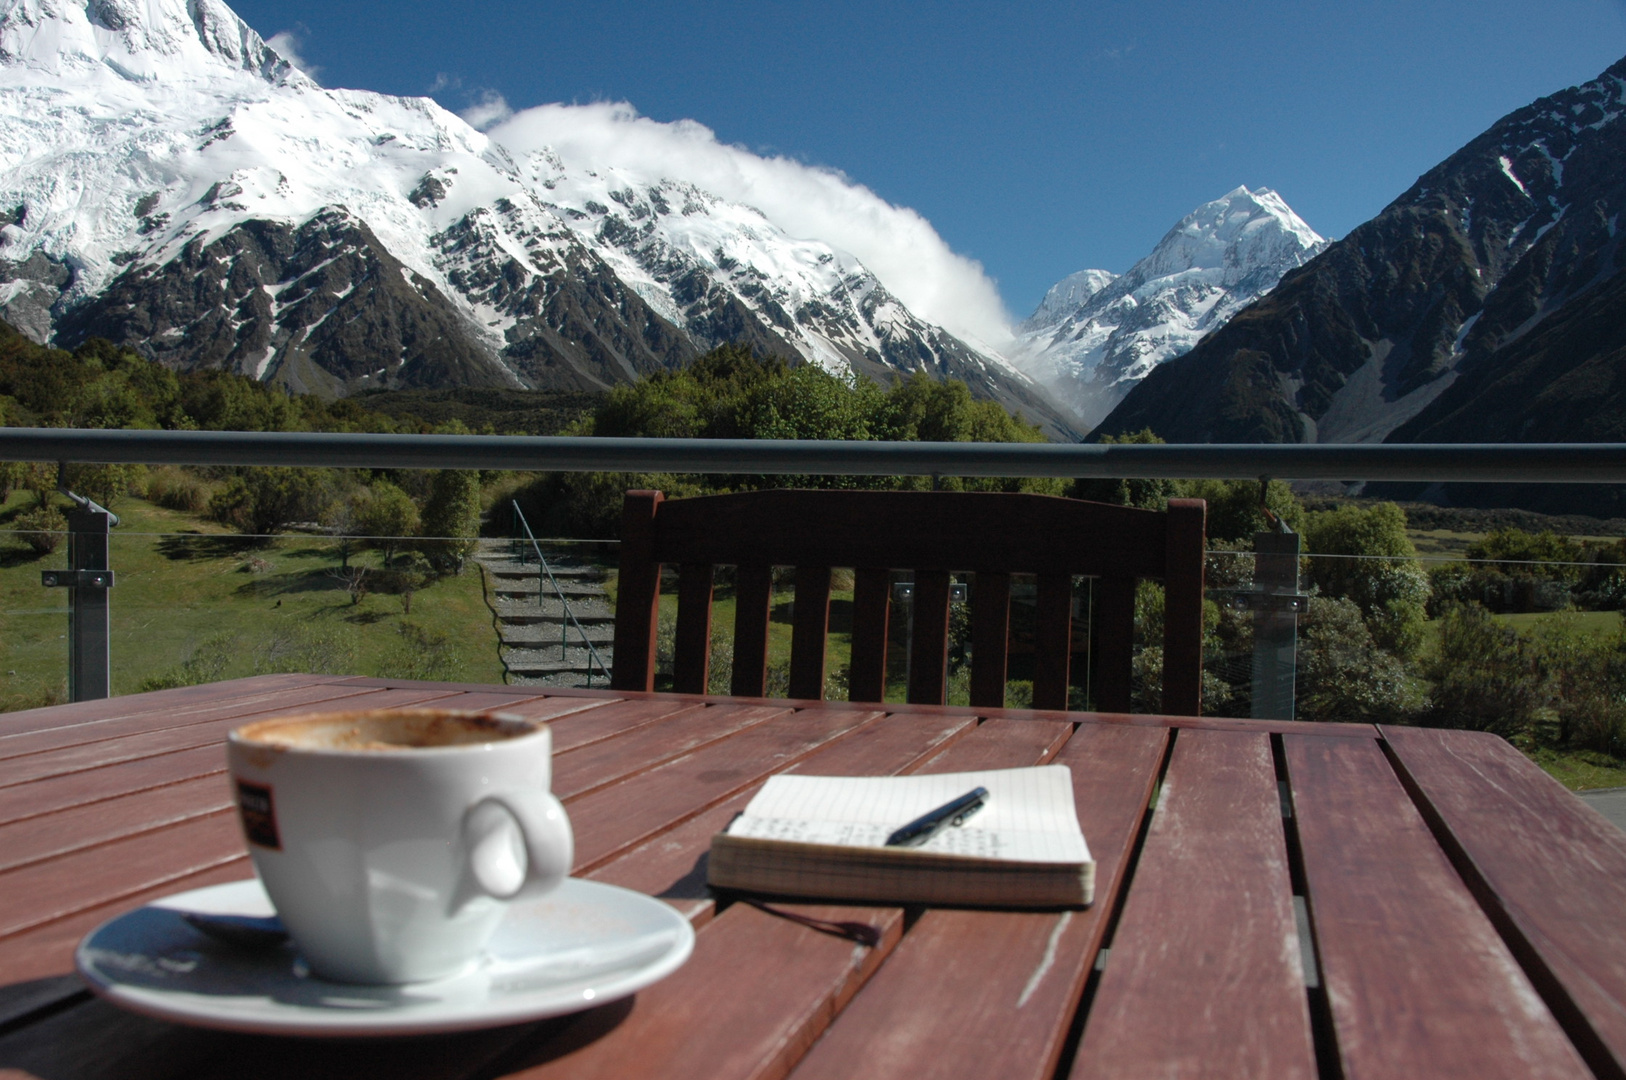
{"x": 1234, "y": 509}
{"x": 451, "y": 517}
{"x": 1486, "y": 675}
{"x": 1525, "y": 553}
{"x": 1343, "y": 673}
{"x": 387, "y": 514}
{"x": 261, "y": 501}
{"x": 1364, "y": 554}
{"x": 1148, "y": 494}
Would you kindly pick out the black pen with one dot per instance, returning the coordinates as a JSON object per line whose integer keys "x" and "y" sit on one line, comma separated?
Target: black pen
{"x": 924, "y": 827}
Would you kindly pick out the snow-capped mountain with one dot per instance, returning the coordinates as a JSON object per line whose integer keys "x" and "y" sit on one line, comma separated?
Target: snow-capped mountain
{"x": 1484, "y": 304}
{"x": 168, "y": 181}
{"x": 1095, "y": 335}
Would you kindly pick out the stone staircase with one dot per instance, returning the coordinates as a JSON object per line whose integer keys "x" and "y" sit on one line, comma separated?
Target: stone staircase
{"x": 540, "y": 646}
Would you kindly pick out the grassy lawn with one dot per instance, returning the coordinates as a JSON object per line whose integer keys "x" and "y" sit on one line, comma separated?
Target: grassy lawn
{"x": 1580, "y": 770}
{"x": 187, "y": 590}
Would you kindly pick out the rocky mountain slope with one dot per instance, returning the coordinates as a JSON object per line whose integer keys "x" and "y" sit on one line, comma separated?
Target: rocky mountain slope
{"x": 171, "y": 183}
{"x": 1484, "y": 304}
{"x": 1096, "y": 335}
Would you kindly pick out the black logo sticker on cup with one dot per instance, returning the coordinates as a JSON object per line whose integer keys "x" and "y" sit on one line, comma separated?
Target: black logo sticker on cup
{"x": 259, "y": 815}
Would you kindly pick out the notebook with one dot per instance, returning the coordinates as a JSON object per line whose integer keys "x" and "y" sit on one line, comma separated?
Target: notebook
{"x": 825, "y": 837}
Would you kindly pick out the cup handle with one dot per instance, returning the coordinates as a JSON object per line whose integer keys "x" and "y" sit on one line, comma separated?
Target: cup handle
{"x": 539, "y": 862}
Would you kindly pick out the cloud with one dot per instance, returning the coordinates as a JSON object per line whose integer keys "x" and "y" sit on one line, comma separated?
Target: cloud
{"x": 444, "y": 81}
{"x": 288, "y": 44}
{"x": 490, "y": 109}
{"x": 807, "y": 202}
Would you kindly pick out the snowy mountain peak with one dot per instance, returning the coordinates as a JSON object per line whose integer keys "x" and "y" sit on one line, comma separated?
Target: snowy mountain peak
{"x": 138, "y": 40}
{"x": 1095, "y": 336}
{"x": 1067, "y": 296}
{"x": 1234, "y": 234}
{"x": 170, "y": 183}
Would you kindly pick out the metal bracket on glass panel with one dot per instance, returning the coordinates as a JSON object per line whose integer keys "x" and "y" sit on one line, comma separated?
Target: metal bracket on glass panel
{"x": 76, "y": 579}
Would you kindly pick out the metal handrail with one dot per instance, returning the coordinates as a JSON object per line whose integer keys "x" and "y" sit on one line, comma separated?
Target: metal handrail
{"x": 564, "y": 629}
{"x": 1552, "y": 463}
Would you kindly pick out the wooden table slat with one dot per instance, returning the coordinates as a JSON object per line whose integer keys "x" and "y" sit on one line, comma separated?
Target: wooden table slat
{"x": 90, "y": 732}
{"x": 756, "y": 992}
{"x": 1418, "y": 981}
{"x": 990, "y": 993}
{"x": 51, "y": 794}
{"x": 94, "y": 755}
{"x": 577, "y": 772}
{"x": 156, "y": 703}
{"x": 611, "y": 819}
{"x": 80, "y": 827}
{"x": 1204, "y": 976}
{"x": 1552, "y": 868}
{"x": 40, "y": 892}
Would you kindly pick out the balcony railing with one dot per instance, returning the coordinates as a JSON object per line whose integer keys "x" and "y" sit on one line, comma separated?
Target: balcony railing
{"x": 1279, "y": 647}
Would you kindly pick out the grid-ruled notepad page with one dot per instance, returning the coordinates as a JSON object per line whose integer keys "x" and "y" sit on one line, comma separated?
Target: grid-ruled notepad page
{"x": 1029, "y": 815}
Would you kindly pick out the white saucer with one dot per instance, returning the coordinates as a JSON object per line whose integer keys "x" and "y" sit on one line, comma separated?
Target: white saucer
{"x": 581, "y": 945}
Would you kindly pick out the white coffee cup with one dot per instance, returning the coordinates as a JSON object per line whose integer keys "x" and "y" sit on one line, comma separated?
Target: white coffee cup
{"x": 391, "y": 840}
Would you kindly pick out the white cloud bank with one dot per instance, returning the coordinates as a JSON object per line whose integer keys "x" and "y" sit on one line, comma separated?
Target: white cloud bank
{"x": 897, "y": 244}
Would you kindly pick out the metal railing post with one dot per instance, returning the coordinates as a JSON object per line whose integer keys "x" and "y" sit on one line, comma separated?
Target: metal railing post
{"x": 89, "y": 662}
{"x": 1276, "y": 602}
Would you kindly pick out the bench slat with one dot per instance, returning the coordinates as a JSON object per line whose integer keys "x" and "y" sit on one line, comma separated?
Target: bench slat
{"x": 1553, "y": 869}
{"x": 1204, "y": 976}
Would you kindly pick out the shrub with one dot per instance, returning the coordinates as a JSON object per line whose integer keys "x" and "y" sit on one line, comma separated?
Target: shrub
{"x": 262, "y": 501}
{"x": 175, "y": 488}
{"x": 1344, "y": 674}
{"x": 43, "y": 529}
{"x": 1485, "y": 674}
{"x": 421, "y": 653}
{"x": 207, "y": 663}
{"x": 1368, "y": 558}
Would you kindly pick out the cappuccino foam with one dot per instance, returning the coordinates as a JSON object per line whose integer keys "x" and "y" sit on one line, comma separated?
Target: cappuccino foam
{"x": 385, "y": 730}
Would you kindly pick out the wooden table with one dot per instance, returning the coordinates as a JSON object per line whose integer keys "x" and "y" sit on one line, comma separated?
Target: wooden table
{"x": 1273, "y": 899}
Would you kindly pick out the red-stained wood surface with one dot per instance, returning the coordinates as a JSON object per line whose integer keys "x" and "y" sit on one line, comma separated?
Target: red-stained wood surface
{"x": 639, "y": 592}
{"x": 157, "y": 702}
{"x": 810, "y": 624}
{"x": 931, "y": 533}
{"x": 691, "y": 648}
{"x": 1419, "y": 982}
{"x": 954, "y": 993}
{"x": 610, "y": 819}
{"x": 322, "y": 696}
{"x": 98, "y": 754}
{"x": 982, "y": 993}
{"x": 990, "y": 635}
{"x": 1183, "y": 608}
{"x": 84, "y": 826}
{"x": 601, "y": 763}
{"x": 872, "y": 598}
{"x": 753, "y": 596}
{"x": 1550, "y": 869}
{"x": 928, "y": 653}
{"x": 1204, "y": 976}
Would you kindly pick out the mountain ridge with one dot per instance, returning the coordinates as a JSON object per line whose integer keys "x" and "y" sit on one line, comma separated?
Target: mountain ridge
{"x": 165, "y": 166}
{"x": 1096, "y": 335}
{"x": 1371, "y": 340}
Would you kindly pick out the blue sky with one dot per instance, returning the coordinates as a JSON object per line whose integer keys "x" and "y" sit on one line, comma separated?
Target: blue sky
{"x": 1039, "y": 138}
